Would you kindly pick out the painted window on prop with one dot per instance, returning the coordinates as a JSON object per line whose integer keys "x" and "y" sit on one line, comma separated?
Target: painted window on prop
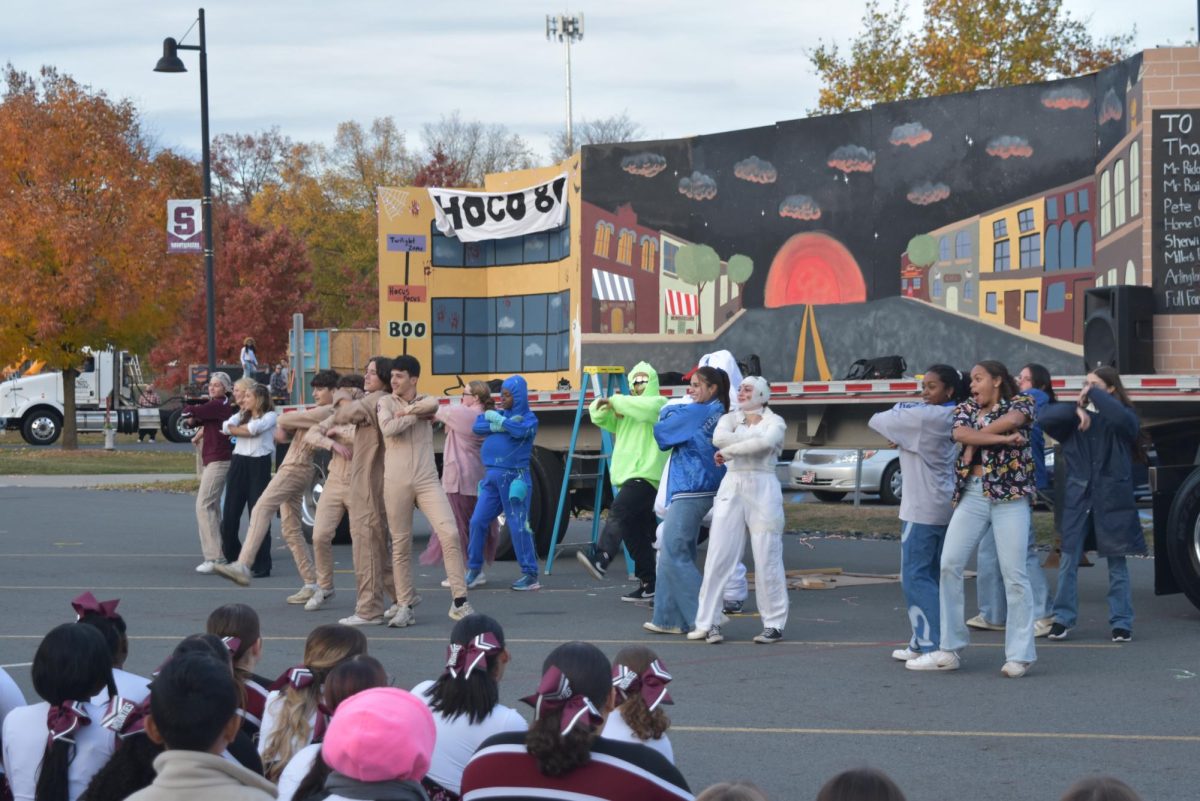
{"x": 1031, "y": 306}
{"x": 944, "y": 249}
{"x": 669, "y": 250}
{"x": 1031, "y": 251}
{"x": 604, "y": 232}
{"x": 991, "y": 303}
{"x": 962, "y": 245}
{"x": 649, "y": 253}
{"x": 1025, "y": 220}
{"x": 544, "y": 246}
{"x": 510, "y": 334}
{"x": 1056, "y": 297}
{"x": 1001, "y": 256}
{"x": 968, "y": 291}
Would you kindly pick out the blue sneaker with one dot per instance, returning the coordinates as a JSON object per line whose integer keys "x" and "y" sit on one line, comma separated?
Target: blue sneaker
{"x": 527, "y": 581}
{"x": 475, "y": 578}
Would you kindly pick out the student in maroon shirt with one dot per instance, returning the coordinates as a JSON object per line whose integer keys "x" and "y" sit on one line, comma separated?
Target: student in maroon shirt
{"x": 215, "y": 453}
{"x": 562, "y": 755}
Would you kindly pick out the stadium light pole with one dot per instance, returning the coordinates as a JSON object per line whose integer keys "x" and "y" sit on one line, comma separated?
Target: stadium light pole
{"x": 566, "y": 29}
{"x": 170, "y": 62}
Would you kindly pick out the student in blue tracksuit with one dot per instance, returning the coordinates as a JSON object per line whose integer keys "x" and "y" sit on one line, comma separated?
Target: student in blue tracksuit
{"x": 692, "y": 482}
{"x": 508, "y": 443}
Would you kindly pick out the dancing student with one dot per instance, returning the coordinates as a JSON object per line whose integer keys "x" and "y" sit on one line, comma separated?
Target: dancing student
{"x": 923, "y": 434}
{"x": 249, "y": 471}
{"x": 293, "y": 717}
{"x": 748, "y": 501}
{"x": 103, "y": 616}
{"x": 860, "y": 784}
{"x": 215, "y": 453}
{"x": 1100, "y": 439}
{"x": 411, "y": 482}
{"x": 238, "y": 627}
{"x": 335, "y": 495}
{"x": 506, "y": 451}
{"x": 1034, "y": 381}
{"x": 636, "y": 467}
{"x": 462, "y": 470}
{"x": 131, "y": 767}
{"x": 554, "y": 759}
{"x": 995, "y": 480}
{"x": 368, "y": 518}
{"x": 640, "y": 681}
{"x": 193, "y": 714}
{"x": 249, "y": 360}
{"x": 378, "y": 747}
{"x": 52, "y": 749}
{"x": 306, "y": 772}
{"x": 691, "y": 486}
{"x": 284, "y": 493}
{"x": 465, "y": 701}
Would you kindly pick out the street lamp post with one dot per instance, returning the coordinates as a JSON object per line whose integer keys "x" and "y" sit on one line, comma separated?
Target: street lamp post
{"x": 170, "y": 62}
{"x": 566, "y": 29}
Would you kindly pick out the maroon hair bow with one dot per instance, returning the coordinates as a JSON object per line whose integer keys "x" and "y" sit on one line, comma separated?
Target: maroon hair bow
{"x": 125, "y": 717}
{"x": 233, "y": 644}
{"x": 652, "y": 684}
{"x": 64, "y": 719}
{"x": 555, "y": 694}
{"x": 86, "y": 604}
{"x": 462, "y": 659}
{"x": 298, "y": 677}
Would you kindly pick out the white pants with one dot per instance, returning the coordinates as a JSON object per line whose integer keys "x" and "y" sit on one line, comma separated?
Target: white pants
{"x": 753, "y": 502}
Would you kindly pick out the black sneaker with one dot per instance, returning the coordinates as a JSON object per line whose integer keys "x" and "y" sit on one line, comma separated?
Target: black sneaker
{"x": 769, "y": 636}
{"x": 1122, "y": 635}
{"x": 1058, "y": 631}
{"x": 642, "y": 593}
{"x": 732, "y": 607}
{"x": 593, "y": 559}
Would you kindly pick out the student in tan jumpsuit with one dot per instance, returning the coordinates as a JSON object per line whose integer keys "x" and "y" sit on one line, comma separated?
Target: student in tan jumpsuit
{"x": 283, "y": 494}
{"x": 411, "y": 482}
{"x": 368, "y": 520}
{"x": 335, "y": 494}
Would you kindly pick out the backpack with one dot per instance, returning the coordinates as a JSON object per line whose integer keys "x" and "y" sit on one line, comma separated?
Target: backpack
{"x": 881, "y": 367}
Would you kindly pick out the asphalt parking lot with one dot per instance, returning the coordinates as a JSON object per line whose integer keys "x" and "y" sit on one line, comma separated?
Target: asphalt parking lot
{"x": 785, "y": 716}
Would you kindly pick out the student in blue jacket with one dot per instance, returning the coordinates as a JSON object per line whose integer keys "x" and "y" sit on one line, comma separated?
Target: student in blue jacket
{"x": 508, "y": 434}
{"x": 691, "y": 486}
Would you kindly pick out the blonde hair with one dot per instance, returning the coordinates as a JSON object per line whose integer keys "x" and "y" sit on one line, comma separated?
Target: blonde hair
{"x": 262, "y": 402}
{"x": 326, "y": 647}
{"x": 482, "y": 393}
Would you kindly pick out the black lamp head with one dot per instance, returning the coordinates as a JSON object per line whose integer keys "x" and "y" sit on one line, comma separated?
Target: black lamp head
{"x": 170, "y": 61}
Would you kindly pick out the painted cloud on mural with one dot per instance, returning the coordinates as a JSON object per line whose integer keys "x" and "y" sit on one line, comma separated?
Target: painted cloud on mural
{"x": 646, "y": 165}
{"x": 1006, "y": 147}
{"x": 698, "y": 186}
{"x": 912, "y": 134}
{"x": 755, "y": 170}
{"x": 800, "y": 207}
{"x": 852, "y": 158}
{"x": 1110, "y": 108}
{"x": 926, "y": 193}
{"x": 1066, "y": 97}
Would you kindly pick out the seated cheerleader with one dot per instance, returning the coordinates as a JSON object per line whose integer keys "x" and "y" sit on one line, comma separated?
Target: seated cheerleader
{"x": 131, "y": 766}
{"x": 554, "y": 759}
{"x": 640, "y": 682}
{"x": 465, "y": 702}
{"x": 54, "y": 747}
{"x": 102, "y": 615}
{"x": 293, "y": 717}
{"x": 238, "y": 627}
{"x": 305, "y": 774}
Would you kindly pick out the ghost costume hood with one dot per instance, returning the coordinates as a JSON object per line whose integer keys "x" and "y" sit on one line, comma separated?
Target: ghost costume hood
{"x": 510, "y": 446}
{"x": 631, "y": 418}
{"x": 761, "y": 393}
{"x": 723, "y": 360}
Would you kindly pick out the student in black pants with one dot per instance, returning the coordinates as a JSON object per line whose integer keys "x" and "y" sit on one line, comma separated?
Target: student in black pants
{"x": 253, "y": 426}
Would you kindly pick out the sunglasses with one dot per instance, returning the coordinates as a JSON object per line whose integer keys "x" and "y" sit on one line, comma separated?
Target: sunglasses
{"x": 641, "y": 382}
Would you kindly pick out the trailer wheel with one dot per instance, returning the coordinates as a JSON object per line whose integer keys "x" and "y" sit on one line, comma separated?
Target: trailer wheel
{"x": 42, "y": 426}
{"x": 546, "y": 474}
{"x": 177, "y": 428}
{"x": 1183, "y": 537}
{"x": 312, "y": 496}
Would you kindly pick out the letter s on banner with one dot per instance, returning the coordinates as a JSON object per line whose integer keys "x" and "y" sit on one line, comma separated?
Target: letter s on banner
{"x": 185, "y": 226}
{"x": 498, "y": 215}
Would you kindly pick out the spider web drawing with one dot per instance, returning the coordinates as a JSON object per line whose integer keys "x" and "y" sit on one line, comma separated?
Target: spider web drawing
{"x": 392, "y": 201}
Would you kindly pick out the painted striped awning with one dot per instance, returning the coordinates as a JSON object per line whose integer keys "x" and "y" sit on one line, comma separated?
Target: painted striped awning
{"x": 682, "y": 304}
{"x": 610, "y": 286}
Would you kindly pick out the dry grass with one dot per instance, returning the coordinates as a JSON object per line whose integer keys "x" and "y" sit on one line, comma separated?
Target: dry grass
{"x": 54, "y": 461}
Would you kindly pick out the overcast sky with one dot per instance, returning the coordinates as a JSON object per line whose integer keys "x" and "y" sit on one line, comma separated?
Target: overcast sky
{"x": 678, "y": 67}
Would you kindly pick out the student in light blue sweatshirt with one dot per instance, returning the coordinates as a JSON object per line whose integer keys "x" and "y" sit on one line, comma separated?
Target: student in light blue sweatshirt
{"x": 923, "y": 434}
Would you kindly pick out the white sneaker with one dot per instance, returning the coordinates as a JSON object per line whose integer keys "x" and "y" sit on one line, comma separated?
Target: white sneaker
{"x": 318, "y": 599}
{"x": 935, "y": 660}
{"x": 235, "y": 572}
{"x": 205, "y": 567}
{"x": 1015, "y": 670}
{"x": 355, "y": 620}
{"x": 978, "y": 622}
{"x": 446, "y": 583}
{"x": 302, "y": 595}
{"x": 697, "y": 633}
{"x": 905, "y": 654}
{"x": 459, "y": 612}
{"x": 404, "y": 617}
{"x": 1041, "y": 627}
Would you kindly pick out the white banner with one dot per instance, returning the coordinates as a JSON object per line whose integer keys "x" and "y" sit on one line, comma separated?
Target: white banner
{"x": 476, "y": 216}
{"x": 185, "y": 226}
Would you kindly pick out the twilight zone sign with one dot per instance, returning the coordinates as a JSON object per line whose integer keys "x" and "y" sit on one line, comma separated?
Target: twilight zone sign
{"x": 478, "y": 216}
{"x": 185, "y": 226}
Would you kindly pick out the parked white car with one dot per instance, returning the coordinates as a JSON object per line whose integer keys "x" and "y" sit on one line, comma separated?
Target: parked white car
{"x": 829, "y": 473}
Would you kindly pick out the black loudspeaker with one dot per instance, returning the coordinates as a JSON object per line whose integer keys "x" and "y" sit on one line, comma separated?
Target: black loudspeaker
{"x": 1118, "y": 329}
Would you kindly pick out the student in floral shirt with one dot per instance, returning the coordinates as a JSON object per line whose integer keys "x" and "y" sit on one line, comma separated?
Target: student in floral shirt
{"x": 995, "y": 476}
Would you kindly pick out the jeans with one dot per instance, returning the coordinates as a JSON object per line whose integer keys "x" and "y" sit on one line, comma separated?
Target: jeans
{"x": 1010, "y": 522}
{"x": 920, "y": 564}
{"x": 1120, "y": 593}
{"x": 989, "y": 585}
{"x": 494, "y": 498}
{"x": 677, "y": 587}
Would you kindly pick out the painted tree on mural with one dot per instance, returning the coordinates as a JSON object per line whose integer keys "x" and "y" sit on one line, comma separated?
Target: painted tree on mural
{"x": 958, "y": 46}
{"x": 922, "y": 250}
{"x": 698, "y": 265}
{"x": 740, "y": 268}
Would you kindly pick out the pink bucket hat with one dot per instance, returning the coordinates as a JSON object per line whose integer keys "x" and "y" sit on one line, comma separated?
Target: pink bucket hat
{"x": 382, "y": 734}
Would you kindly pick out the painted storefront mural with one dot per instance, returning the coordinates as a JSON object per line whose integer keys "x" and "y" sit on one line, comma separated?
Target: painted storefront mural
{"x": 993, "y": 211}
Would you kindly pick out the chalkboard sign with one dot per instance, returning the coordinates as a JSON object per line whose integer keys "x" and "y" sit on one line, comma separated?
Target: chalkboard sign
{"x": 1175, "y": 211}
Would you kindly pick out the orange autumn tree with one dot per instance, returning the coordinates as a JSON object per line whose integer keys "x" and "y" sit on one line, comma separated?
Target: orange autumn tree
{"x": 83, "y": 197}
